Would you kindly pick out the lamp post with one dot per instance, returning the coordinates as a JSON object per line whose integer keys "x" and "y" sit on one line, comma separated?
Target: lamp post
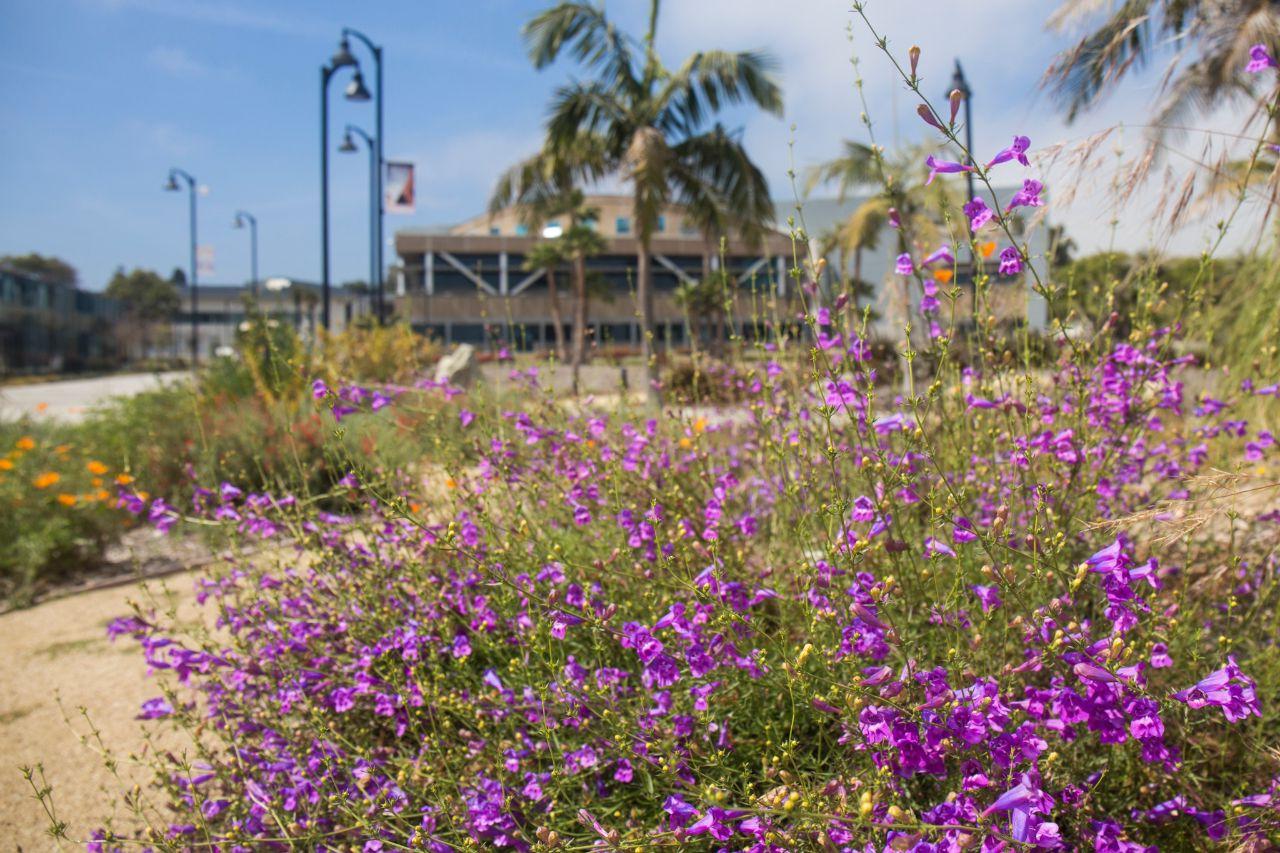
{"x": 348, "y": 146}
{"x": 960, "y": 84}
{"x": 172, "y": 186}
{"x": 357, "y": 92}
{"x": 241, "y": 218}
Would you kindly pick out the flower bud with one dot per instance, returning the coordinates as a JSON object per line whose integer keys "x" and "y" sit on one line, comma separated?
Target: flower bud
{"x": 914, "y": 54}
{"x": 955, "y": 97}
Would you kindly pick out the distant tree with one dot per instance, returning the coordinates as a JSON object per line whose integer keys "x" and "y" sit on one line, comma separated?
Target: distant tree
{"x": 148, "y": 300}
{"x": 1207, "y": 41}
{"x": 144, "y": 293}
{"x": 357, "y": 286}
{"x": 178, "y": 277}
{"x": 45, "y": 266}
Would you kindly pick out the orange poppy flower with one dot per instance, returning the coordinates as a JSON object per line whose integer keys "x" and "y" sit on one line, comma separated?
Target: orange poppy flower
{"x": 26, "y": 443}
{"x": 67, "y": 500}
{"x": 6, "y": 465}
{"x": 942, "y": 276}
{"x": 987, "y": 249}
{"x": 47, "y": 479}
{"x": 124, "y": 479}
{"x": 96, "y": 467}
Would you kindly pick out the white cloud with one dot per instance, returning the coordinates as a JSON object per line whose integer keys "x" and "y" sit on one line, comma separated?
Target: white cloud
{"x": 1005, "y": 50}
{"x": 177, "y": 62}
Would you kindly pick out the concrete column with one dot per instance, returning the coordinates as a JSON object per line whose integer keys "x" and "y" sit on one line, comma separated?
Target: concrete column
{"x": 782, "y": 276}
{"x": 503, "y": 285}
{"x": 429, "y": 267}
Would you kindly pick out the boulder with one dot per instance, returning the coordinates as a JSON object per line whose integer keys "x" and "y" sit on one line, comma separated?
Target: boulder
{"x": 458, "y": 367}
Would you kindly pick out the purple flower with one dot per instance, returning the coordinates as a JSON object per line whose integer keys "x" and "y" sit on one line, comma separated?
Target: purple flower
{"x": 937, "y": 167}
{"x": 904, "y": 266}
{"x": 319, "y": 389}
{"x": 1016, "y": 151}
{"x": 680, "y": 811}
{"x": 929, "y": 118}
{"x": 978, "y": 212}
{"x": 988, "y": 597}
{"x": 1091, "y": 672}
{"x": 1260, "y": 59}
{"x": 154, "y": 709}
{"x": 466, "y": 417}
{"x": 1010, "y": 261}
{"x": 894, "y": 220}
{"x": 1028, "y": 196}
{"x": 942, "y": 255}
{"x": 1227, "y": 688}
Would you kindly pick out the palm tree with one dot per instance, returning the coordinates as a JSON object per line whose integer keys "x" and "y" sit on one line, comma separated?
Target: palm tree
{"x": 549, "y": 256}
{"x": 903, "y": 187}
{"x": 1212, "y": 39}
{"x": 651, "y": 120}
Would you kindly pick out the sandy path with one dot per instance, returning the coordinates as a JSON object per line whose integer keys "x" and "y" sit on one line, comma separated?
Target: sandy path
{"x": 60, "y": 649}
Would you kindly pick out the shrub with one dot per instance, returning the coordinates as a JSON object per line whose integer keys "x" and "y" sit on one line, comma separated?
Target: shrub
{"x": 57, "y": 508}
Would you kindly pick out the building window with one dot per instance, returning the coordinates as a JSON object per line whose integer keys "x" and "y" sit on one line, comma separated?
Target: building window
{"x": 522, "y": 231}
{"x": 494, "y": 231}
{"x": 662, "y": 223}
{"x": 688, "y": 230}
{"x": 624, "y": 225}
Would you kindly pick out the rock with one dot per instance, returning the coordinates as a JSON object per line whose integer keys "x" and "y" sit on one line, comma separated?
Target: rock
{"x": 457, "y": 367}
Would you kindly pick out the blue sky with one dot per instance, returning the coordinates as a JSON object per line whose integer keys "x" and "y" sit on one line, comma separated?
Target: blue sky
{"x": 101, "y": 97}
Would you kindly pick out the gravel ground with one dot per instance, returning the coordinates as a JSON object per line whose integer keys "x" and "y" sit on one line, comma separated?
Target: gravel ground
{"x": 58, "y": 650}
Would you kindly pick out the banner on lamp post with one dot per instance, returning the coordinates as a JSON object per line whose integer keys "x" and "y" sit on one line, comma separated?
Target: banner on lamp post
{"x": 204, "y": 260}
{"x": 399, "y": 187}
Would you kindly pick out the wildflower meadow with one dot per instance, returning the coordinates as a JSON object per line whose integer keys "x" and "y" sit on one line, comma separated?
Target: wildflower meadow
{"x": 964, "y": 589}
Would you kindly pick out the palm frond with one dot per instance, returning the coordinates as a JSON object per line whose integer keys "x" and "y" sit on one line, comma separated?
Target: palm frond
{"x": 712, "y": 80}
{"x": 591, "y": 38}
{"x": 718, "y": 160}
{"x": 855, "y": 167}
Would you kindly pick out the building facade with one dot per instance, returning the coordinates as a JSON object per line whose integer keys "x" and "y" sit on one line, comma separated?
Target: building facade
{"x": 469, "y": 283}
{"x": 48, "y": 326}
{"x": 224, "y": 307}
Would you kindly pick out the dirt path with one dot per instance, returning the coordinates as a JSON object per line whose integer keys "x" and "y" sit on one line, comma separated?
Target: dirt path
{"x": 60, "y": 649}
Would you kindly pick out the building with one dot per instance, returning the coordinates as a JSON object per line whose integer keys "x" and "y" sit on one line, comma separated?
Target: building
{"x": 49, "y": 326}
{"x": 469, "y": 284}
{"x": 224, "y": 307}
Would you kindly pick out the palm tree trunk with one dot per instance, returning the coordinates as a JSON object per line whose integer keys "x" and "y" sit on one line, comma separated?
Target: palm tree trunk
{"x": 579, "y": 317}
{"x": 644, "y": 296}
{"x": 857, "y": 275}
{"x": 553, "y": 296}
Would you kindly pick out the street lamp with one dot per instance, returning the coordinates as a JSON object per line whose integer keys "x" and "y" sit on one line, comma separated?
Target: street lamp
{"x": 958, "y": 83}
{"x": 341, "y": 59}
{"x": 961, "y": 85}
{"x": 172, "y": 186}
{"x": 356, "y": 91}
{"x": 349, "y": 146}
{"x": 241, "y": 218}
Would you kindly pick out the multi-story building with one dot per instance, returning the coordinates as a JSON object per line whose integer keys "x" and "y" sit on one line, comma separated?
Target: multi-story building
{"x": 469, "y": 283}
{"x": 224, "y": 307}
{"x": 49, "y": 326}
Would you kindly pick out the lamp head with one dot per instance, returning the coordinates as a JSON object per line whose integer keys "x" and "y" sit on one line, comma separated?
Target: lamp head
{"x": 172, "y": 184}
{"x": 356, "y": 90}
{"x": 348, "y": 145}
{"x": 344, "y": 56}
